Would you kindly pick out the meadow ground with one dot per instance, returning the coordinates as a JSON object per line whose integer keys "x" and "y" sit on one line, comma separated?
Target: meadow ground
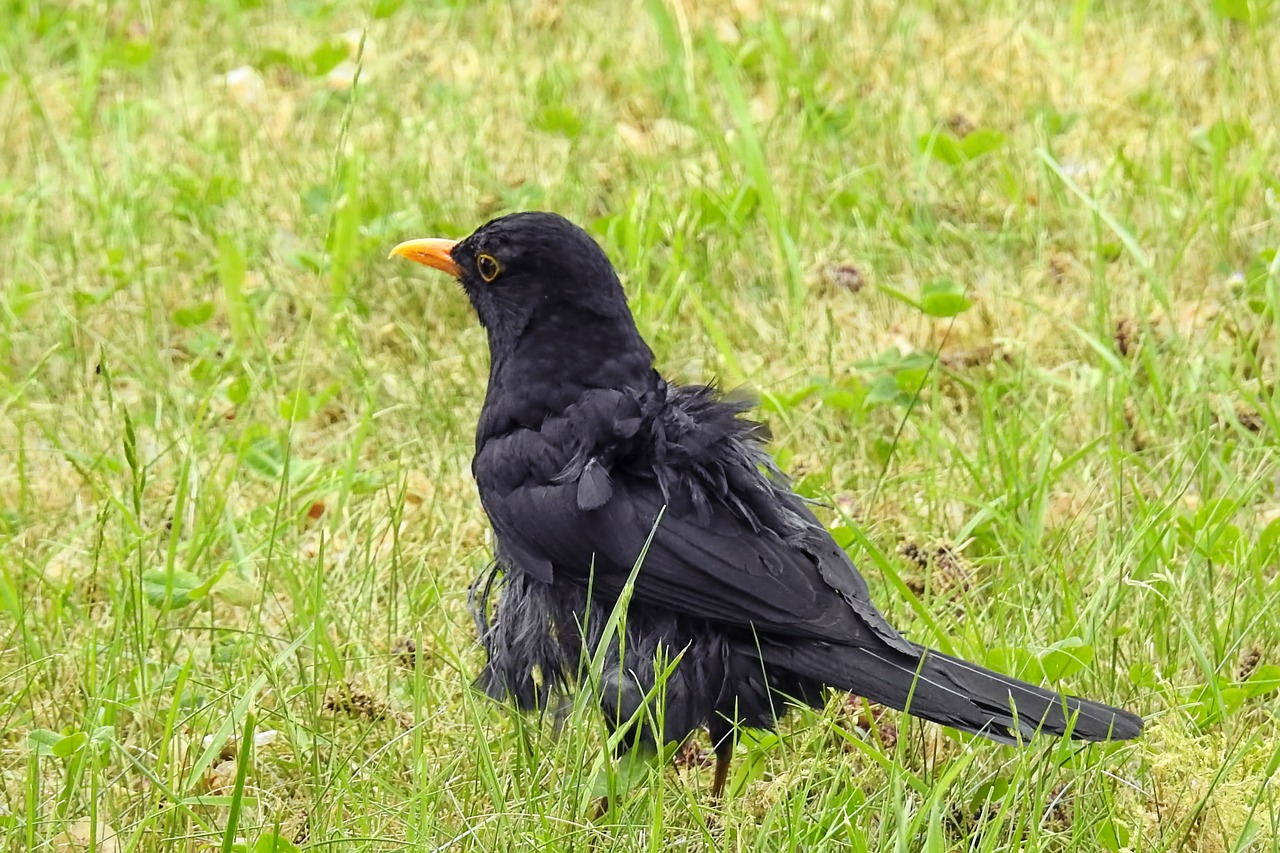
{"x": 1004, "y": 275}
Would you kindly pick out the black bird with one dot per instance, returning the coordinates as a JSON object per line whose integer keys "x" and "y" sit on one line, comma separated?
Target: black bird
{"x": 585, "y": 455}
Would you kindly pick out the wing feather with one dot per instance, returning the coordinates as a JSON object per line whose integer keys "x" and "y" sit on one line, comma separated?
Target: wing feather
{"x": 717, "y": 566}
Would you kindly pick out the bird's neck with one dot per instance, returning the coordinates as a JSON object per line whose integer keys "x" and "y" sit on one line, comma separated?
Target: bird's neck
{"x": 553, "y": 363}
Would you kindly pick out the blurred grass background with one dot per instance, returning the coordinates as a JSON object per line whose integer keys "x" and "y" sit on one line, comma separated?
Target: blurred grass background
{"x": 1003, "y": 274}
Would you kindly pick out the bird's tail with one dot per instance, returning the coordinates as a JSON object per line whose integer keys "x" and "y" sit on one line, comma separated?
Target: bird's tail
{"x": 968, "y": 697}
{"x": 956, "y": 693}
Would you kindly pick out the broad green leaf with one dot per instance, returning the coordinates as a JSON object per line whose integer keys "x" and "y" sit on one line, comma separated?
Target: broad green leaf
{"x": 132, "y": 53}
{"x": 297, "y": 406}
{"x": 1257, "y": 273}
{"x": 1205, "y": 708}
{"x": 943, "y": 298}
{"x": 1065, "y": 658}
{"x": 178, "y": 587}
{"x": 326, "y": 57}
{"x": 193, "y": 315}
{"x": 784, "y": 401}
{"x": 1053, "y": 122}
{"x": 1265, "y": 679}
{"x": 237, "y": 591}
{"x": 911, "y": 380}
{"x": 1220, "y": 137}
{"x": 883, "y": 389}
{"x": 23, "y": 296}
{"x": 559, "y": 118}
{"x": 318, "y": 199}
{"x": 265, "y": 455}
{"x": 272, "y": 842}
{"x": 980, "y": 143}
{"x": 11, "y": 521}
{"x": 90, "y": 298}
{"x": 811, "y": 486}
{"x": 752, "y": 767}
{"x": 1244, "y": 11}
{"x": 943, "y": 146}
{"x": 1112, "y": 835}
{"x": 954, "y": 151}
{"x": 1018, "y": 662}
{"x": 843, "y": 535}
{"x": 238, "y": 390}
{"x": 71, "y": 744}
{"x": 992, "y": 792}
{"x": 43, "y": 741}
{"x": 1143, "y": 675}
{"x": 630, "y": 770}
{"x": 844, "y": 399}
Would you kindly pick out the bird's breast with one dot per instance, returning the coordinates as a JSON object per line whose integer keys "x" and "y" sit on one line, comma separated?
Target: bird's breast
{"x": 522, "y": 457}
{"x": 600, "y": 429}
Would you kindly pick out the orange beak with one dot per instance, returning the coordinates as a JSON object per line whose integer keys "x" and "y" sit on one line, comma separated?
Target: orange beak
{"x": 434, "y": 252}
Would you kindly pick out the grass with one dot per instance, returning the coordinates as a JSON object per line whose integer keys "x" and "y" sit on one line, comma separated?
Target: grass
{"x": 236, "y": 518}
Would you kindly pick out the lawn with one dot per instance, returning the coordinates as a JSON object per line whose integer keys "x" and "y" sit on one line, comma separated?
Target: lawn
{"x": 1003, "y": 275}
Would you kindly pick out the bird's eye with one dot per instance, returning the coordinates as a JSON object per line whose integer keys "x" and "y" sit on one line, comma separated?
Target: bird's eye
{"x": 488, "y": 267}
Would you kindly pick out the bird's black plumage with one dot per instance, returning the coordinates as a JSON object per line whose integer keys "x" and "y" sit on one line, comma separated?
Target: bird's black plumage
{"x": 585, "y": 454}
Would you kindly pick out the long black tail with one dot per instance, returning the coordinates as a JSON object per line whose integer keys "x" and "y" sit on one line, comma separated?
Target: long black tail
{"x": 965, "y": 696}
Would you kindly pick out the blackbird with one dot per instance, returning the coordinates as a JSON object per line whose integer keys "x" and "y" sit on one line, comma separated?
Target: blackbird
{"x": 589, "y": 463}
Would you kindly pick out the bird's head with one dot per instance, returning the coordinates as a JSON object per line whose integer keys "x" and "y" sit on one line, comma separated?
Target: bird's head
{"x": 555, "y": 313}
{"x": 528, "y": 271}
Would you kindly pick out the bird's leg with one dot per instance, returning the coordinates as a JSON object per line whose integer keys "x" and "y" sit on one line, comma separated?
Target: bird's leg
{"x": 723, "y": 738}
{"x": 724, "y": 754}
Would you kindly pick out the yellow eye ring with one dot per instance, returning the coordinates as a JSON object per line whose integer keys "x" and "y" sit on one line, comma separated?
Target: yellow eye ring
{"x": 488, "y": 267}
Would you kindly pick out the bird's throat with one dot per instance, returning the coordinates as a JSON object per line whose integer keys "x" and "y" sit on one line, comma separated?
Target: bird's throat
{"x": 547, "y": 370}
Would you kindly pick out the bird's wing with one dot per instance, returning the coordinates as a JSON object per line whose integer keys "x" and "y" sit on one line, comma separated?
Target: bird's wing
{"x": 711, "y": 563}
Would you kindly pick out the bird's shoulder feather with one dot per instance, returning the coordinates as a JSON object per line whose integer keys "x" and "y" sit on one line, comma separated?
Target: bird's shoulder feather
{"x": 682, "y": 478}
